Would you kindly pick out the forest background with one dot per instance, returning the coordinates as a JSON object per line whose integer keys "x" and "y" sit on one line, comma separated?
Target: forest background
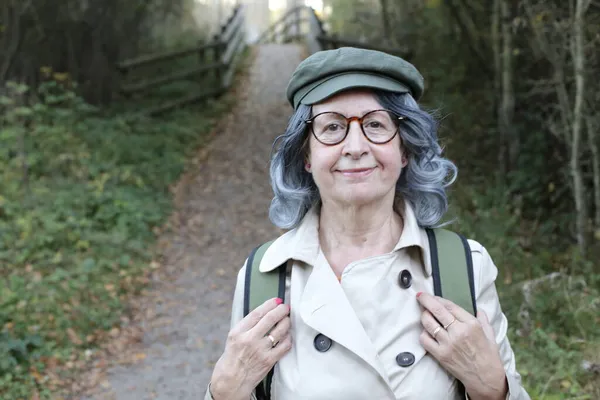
{"x": 84, "y": 185}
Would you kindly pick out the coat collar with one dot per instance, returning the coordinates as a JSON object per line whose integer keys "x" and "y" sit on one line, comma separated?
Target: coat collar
{"x": 323, "y": 303}
{"x": 302, "y": 242}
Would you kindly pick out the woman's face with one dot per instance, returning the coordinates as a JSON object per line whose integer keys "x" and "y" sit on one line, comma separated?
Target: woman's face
{"x": 354, "y": 172}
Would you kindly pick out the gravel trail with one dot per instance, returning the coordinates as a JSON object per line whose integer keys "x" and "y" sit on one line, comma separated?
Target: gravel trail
{"x": 222, "y": 212}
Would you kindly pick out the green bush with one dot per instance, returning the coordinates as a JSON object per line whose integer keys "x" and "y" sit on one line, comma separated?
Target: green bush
{"x": 557, "y": 328}
{"x": 76, "y": 229}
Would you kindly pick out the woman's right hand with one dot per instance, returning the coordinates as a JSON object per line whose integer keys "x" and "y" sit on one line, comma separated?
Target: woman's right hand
{"x": 249, "y": 354}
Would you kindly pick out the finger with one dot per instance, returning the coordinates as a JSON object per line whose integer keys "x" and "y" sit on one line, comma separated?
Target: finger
{"x": 280, "y": 330}
{"x": 460, "y": 313}
{"x": 281, "y": 349}
{"x": 269, "y": 321}
{"x": 429, "y": 343}
{"x": 487, "y": 327}
{"x": 435, "y": 307}
{"x": 250, "y": 320}
{"x": 431, "y": 326}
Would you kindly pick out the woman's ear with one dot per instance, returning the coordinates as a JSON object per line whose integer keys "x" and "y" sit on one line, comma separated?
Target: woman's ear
{"x": 404, "y": 157}
{"x": 307, "y": 165}
{"x": 306, "y": 151}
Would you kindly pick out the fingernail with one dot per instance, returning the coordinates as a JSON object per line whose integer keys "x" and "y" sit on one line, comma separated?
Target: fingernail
{"x": 278, "y": 301}
{"x": 418, "y": 294}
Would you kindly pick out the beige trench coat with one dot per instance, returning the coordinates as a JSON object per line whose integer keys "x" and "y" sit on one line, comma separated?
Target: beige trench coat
{"x": 369, "y": 318}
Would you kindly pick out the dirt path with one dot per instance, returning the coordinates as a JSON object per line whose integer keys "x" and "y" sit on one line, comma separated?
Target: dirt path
{"x": 222, "y": 210}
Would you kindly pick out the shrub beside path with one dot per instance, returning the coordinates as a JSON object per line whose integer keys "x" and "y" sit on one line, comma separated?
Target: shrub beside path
{"x": 221, "y": 214}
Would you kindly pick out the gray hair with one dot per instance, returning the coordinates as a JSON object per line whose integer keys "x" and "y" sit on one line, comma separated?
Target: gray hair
{"x": 422, "y": 183}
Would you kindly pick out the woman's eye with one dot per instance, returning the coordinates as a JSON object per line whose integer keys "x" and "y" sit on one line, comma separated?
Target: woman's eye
{"x": 374, "y": 124}
{"x": 332, "y": 127}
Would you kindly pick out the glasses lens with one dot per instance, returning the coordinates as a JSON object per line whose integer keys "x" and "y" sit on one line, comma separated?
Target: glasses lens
{"x": 329, "y": 127}
{"x": 379, "y": 126}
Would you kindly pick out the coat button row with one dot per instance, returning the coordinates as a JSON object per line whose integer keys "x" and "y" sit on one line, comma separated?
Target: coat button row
{"x": 405, "y": 279}
{"x": 323, "y": 343}
{"x": 405, "y": 359}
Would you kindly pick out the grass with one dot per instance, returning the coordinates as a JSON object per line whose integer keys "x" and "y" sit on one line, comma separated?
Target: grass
{"x": 76, "y": 240}
{"x": 555, "y": 331}
{"x": 77, "y": 229}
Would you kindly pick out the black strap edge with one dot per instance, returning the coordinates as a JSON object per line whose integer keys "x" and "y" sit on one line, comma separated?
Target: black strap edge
{"x": 260, "y": 392}
{"x": 469, "y": 257}
{"x": 435, "y": 263}
{"x": 247, "y": 281}
{"x": 268, "y": 381}
{"x": 282, "y": 276}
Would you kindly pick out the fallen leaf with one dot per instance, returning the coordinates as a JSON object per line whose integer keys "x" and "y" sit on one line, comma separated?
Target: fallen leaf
{"x": 74, "y": 337}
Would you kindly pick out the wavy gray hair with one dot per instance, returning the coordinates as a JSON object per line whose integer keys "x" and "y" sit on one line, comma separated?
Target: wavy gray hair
{"x": 422, "y": 182}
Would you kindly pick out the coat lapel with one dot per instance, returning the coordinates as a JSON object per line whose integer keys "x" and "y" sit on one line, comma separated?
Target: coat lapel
{"x": 325, "y": 308}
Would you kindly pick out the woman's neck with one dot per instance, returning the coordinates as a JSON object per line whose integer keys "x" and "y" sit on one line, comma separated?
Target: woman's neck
{"x": 348, "y": 234}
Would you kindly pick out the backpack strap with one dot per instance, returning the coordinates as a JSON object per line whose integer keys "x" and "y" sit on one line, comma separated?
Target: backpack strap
{"x": 452, "y": 272}
{"x": 258, "y": 288}
{"x": 452, "y": 268}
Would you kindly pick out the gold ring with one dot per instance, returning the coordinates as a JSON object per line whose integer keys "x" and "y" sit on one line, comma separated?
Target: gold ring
{"x": 436, "y": 331}
{"x": 451, "y": 322}
{"x": 273, "y": 341}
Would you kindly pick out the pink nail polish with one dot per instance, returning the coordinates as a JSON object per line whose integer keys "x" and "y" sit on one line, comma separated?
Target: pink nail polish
{"x": 278, "y": 301}
{"x": 418, "y": 294}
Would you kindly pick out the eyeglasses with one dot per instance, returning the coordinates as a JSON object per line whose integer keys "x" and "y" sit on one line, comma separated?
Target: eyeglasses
{"x": 378, "y": 126}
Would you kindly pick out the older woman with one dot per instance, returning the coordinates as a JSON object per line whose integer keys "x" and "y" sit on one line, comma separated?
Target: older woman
{"x": 357, "y": 177}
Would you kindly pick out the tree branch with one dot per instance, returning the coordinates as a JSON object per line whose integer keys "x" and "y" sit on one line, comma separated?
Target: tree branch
{"x": 472, "y": 40}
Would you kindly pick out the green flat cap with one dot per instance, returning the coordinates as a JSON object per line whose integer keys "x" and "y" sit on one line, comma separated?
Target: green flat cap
{"x": 328, "y": 72}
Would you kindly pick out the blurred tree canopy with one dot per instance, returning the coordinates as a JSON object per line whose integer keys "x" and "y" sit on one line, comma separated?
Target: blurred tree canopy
{"x": 84, "y": 38}
{"x": 517, "y": 83}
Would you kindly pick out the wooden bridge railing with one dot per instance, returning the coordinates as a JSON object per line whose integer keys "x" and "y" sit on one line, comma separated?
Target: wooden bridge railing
{"x": 302, "y": 23}
{"x": 222, "y": 53}
{"x": 220, "y": 56}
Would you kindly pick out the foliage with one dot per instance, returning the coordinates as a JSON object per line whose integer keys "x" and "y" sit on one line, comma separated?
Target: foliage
{"x": 86, "y": 39}
{"x": 557, "y": 329}
{"x": 526, "y": 217}
{"x": 81, "y": 198}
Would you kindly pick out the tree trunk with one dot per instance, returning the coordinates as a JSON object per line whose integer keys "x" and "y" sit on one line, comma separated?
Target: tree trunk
{"x": 385, "y": 17}
{"x": 13, "y": 36}
{"x": 496, "y": 51}
{"x": 593, "y": 143}
{"x": 508, "y": 93}
{"x": 578, "y": 54}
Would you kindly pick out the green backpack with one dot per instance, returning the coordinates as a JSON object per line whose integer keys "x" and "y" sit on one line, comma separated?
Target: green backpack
{"x": 452, "y": 272}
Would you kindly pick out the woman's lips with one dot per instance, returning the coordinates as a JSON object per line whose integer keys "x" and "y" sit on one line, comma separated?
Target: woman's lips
{"x": 356, "y": 172}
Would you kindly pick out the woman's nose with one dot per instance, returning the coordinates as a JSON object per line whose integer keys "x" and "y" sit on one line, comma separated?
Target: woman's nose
{"x": 356, "y": 144}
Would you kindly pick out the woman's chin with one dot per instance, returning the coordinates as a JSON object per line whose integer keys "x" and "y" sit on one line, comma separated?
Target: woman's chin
{"x": 358, "y": 199}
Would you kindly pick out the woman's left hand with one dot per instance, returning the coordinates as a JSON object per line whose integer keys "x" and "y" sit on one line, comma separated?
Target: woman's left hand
{"x": 464, "y": 345}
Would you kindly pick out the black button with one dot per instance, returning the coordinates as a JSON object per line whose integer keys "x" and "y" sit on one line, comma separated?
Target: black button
{"x": 322, "y": 343}
{"x": 405, "y": 279}
{"x": 405, "y": 359}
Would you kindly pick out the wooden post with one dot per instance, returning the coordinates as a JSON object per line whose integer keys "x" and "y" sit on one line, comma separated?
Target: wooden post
{"x": 123, "y": 78}
{"x": 201, "y": 54}
{"x": 217, "y": 54}
{"x": 297, "y": 23}
{"x": 201, "y": 61}
{"x": 334, "y": 43}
